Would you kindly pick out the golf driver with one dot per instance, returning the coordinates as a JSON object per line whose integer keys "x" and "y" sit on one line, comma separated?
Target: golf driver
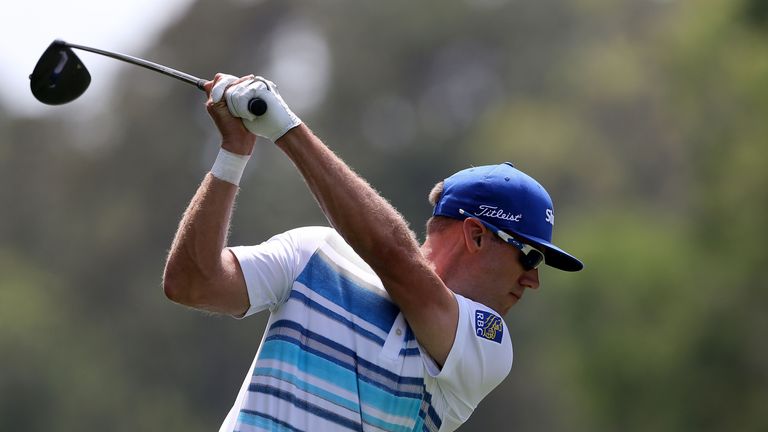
{"x": 60, "y": 76}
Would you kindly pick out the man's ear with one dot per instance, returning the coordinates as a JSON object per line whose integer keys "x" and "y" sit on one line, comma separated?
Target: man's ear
{"x": 473, "y": 234}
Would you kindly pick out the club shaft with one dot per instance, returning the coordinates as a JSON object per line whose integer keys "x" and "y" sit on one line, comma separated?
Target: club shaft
{"x": 182, "y": 76}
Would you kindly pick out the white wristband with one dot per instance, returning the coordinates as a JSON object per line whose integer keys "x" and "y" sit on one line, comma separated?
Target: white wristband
{"x": 229, "y": 166}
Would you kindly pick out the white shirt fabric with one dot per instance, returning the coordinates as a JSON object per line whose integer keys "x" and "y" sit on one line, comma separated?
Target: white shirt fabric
{"x": 338, "y": 354}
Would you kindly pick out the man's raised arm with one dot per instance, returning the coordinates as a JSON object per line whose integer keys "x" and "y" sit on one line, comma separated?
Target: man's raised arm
{"x": 200, "y": 272}
{"x": 374, "y": 229}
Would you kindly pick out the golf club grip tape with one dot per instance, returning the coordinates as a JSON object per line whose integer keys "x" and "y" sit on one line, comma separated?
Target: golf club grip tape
{"x": 229, "y": 166}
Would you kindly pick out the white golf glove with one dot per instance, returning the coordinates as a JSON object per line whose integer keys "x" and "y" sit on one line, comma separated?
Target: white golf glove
{"x": 274, "y": 123}
{"x": 217, "y": 92}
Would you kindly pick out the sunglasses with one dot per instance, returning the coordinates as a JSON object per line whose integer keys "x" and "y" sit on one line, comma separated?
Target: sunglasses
{"x": 530, "y": 257}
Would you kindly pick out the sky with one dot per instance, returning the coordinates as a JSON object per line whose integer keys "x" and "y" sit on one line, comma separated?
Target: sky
{"x": 30, "y": 26}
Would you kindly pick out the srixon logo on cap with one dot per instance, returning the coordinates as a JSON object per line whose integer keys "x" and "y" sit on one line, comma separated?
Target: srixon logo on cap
{"x": 551, "y": 216}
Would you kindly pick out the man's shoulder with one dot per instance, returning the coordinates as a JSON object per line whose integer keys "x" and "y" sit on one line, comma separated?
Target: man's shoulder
{"x": 325, "y": 245}
{"x": 487, "y": 323}
{"x": 468, "y": 302}
{"x": 305, "y": 239}
{"x": 311, "y": 232}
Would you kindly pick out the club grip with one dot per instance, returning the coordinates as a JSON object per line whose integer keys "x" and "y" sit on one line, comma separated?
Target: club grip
{"x": 257, "y": 107}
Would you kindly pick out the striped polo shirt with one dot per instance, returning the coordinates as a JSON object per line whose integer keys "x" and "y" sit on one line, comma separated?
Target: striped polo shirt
{"x": 338, "y": 355}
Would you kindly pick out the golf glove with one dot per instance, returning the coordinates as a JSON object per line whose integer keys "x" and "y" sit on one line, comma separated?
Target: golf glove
{"x": 217, "y": 92}
{"x": 275, "y": 122}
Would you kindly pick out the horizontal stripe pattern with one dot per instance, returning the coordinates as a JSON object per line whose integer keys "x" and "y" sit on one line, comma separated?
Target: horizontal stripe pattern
{"x": 252, "y": 420}
{"x": 344, "y": 359}
{"x": 319, "y": 367}
{"x": 356, "y": 296}
{"x": 427, "y": 413}
{"x": 339, "y": 321}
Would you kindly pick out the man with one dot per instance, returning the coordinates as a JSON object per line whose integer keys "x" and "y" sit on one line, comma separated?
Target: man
{"x": 368, "y": 330}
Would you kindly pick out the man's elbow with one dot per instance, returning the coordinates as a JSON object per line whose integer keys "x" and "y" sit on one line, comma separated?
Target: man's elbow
{"x": 179, "y": 286}
{"x": 172, "y": 284}
{"x": 207, "y": 288}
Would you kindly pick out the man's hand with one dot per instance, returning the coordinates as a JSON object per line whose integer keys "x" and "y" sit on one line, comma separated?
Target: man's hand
{"x": 234, "y": 136}
{"x": 275, "y": 122}
{"x": 228, "y": 99}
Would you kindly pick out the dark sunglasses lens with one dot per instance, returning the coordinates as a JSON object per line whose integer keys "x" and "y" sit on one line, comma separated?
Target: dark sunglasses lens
{"x": 532, "y": 259}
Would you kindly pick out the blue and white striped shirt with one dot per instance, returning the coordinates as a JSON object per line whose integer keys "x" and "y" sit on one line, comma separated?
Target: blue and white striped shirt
{"x": 338, "y": 354}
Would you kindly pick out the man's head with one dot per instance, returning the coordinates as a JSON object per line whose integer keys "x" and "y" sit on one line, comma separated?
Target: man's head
{"x": 504, "y": 198}
{"x": 491, "y": 227}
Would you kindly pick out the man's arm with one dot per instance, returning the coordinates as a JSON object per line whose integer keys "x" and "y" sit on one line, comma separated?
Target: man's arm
{"x": 380, "y": 235}
{"x": 375, "y": 230}
{"x": 200, "y": 272}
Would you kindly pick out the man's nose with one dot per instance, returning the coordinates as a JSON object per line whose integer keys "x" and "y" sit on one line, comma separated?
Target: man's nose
{"x": 531, "y": 279}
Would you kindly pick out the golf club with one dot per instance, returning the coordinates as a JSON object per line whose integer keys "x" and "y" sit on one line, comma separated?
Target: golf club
{"x": 60, "y": 76}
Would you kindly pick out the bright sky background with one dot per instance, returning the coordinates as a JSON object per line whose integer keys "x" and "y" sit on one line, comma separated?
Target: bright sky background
{"x": 30, "y": 26}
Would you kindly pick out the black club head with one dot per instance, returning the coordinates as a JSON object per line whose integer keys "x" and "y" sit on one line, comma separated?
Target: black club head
{"x": 59, "y": 76}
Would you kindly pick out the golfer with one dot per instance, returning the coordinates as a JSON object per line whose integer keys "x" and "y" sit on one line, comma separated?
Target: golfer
{"x": 368, "y": 330}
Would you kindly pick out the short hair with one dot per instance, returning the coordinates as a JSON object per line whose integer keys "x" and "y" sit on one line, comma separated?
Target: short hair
{"x": 436, "y": 193}
{"x": 436, "y": 224}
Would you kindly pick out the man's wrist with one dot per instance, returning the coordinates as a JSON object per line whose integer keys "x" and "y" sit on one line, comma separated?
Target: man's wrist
{"x": 238, "y": 147}
{"x": 229, "y": 166}
{"x": 294, "y": 134}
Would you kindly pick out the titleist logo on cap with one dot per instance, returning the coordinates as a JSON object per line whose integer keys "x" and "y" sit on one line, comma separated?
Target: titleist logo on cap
{"x": 495, "y": 212}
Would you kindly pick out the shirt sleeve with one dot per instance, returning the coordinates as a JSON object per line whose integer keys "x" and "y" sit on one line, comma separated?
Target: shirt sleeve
{"x": 479, "y": 360}
{"x": 271, "y": 267}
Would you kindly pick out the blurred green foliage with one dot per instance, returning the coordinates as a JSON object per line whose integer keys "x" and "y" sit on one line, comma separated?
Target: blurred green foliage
{"x": 645, "y": 120}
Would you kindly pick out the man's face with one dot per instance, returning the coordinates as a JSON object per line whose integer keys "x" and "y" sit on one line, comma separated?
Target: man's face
{"x": 503, "y": 276}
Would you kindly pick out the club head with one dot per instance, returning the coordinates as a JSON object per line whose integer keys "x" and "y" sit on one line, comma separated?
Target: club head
{"x": 59, "y": 76}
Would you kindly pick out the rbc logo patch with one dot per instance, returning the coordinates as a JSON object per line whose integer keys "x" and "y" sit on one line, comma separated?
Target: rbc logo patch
{"x": 488, "y": 326}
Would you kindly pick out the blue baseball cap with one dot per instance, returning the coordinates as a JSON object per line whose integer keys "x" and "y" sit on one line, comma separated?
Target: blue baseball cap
{"x": 511, "y": 200}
